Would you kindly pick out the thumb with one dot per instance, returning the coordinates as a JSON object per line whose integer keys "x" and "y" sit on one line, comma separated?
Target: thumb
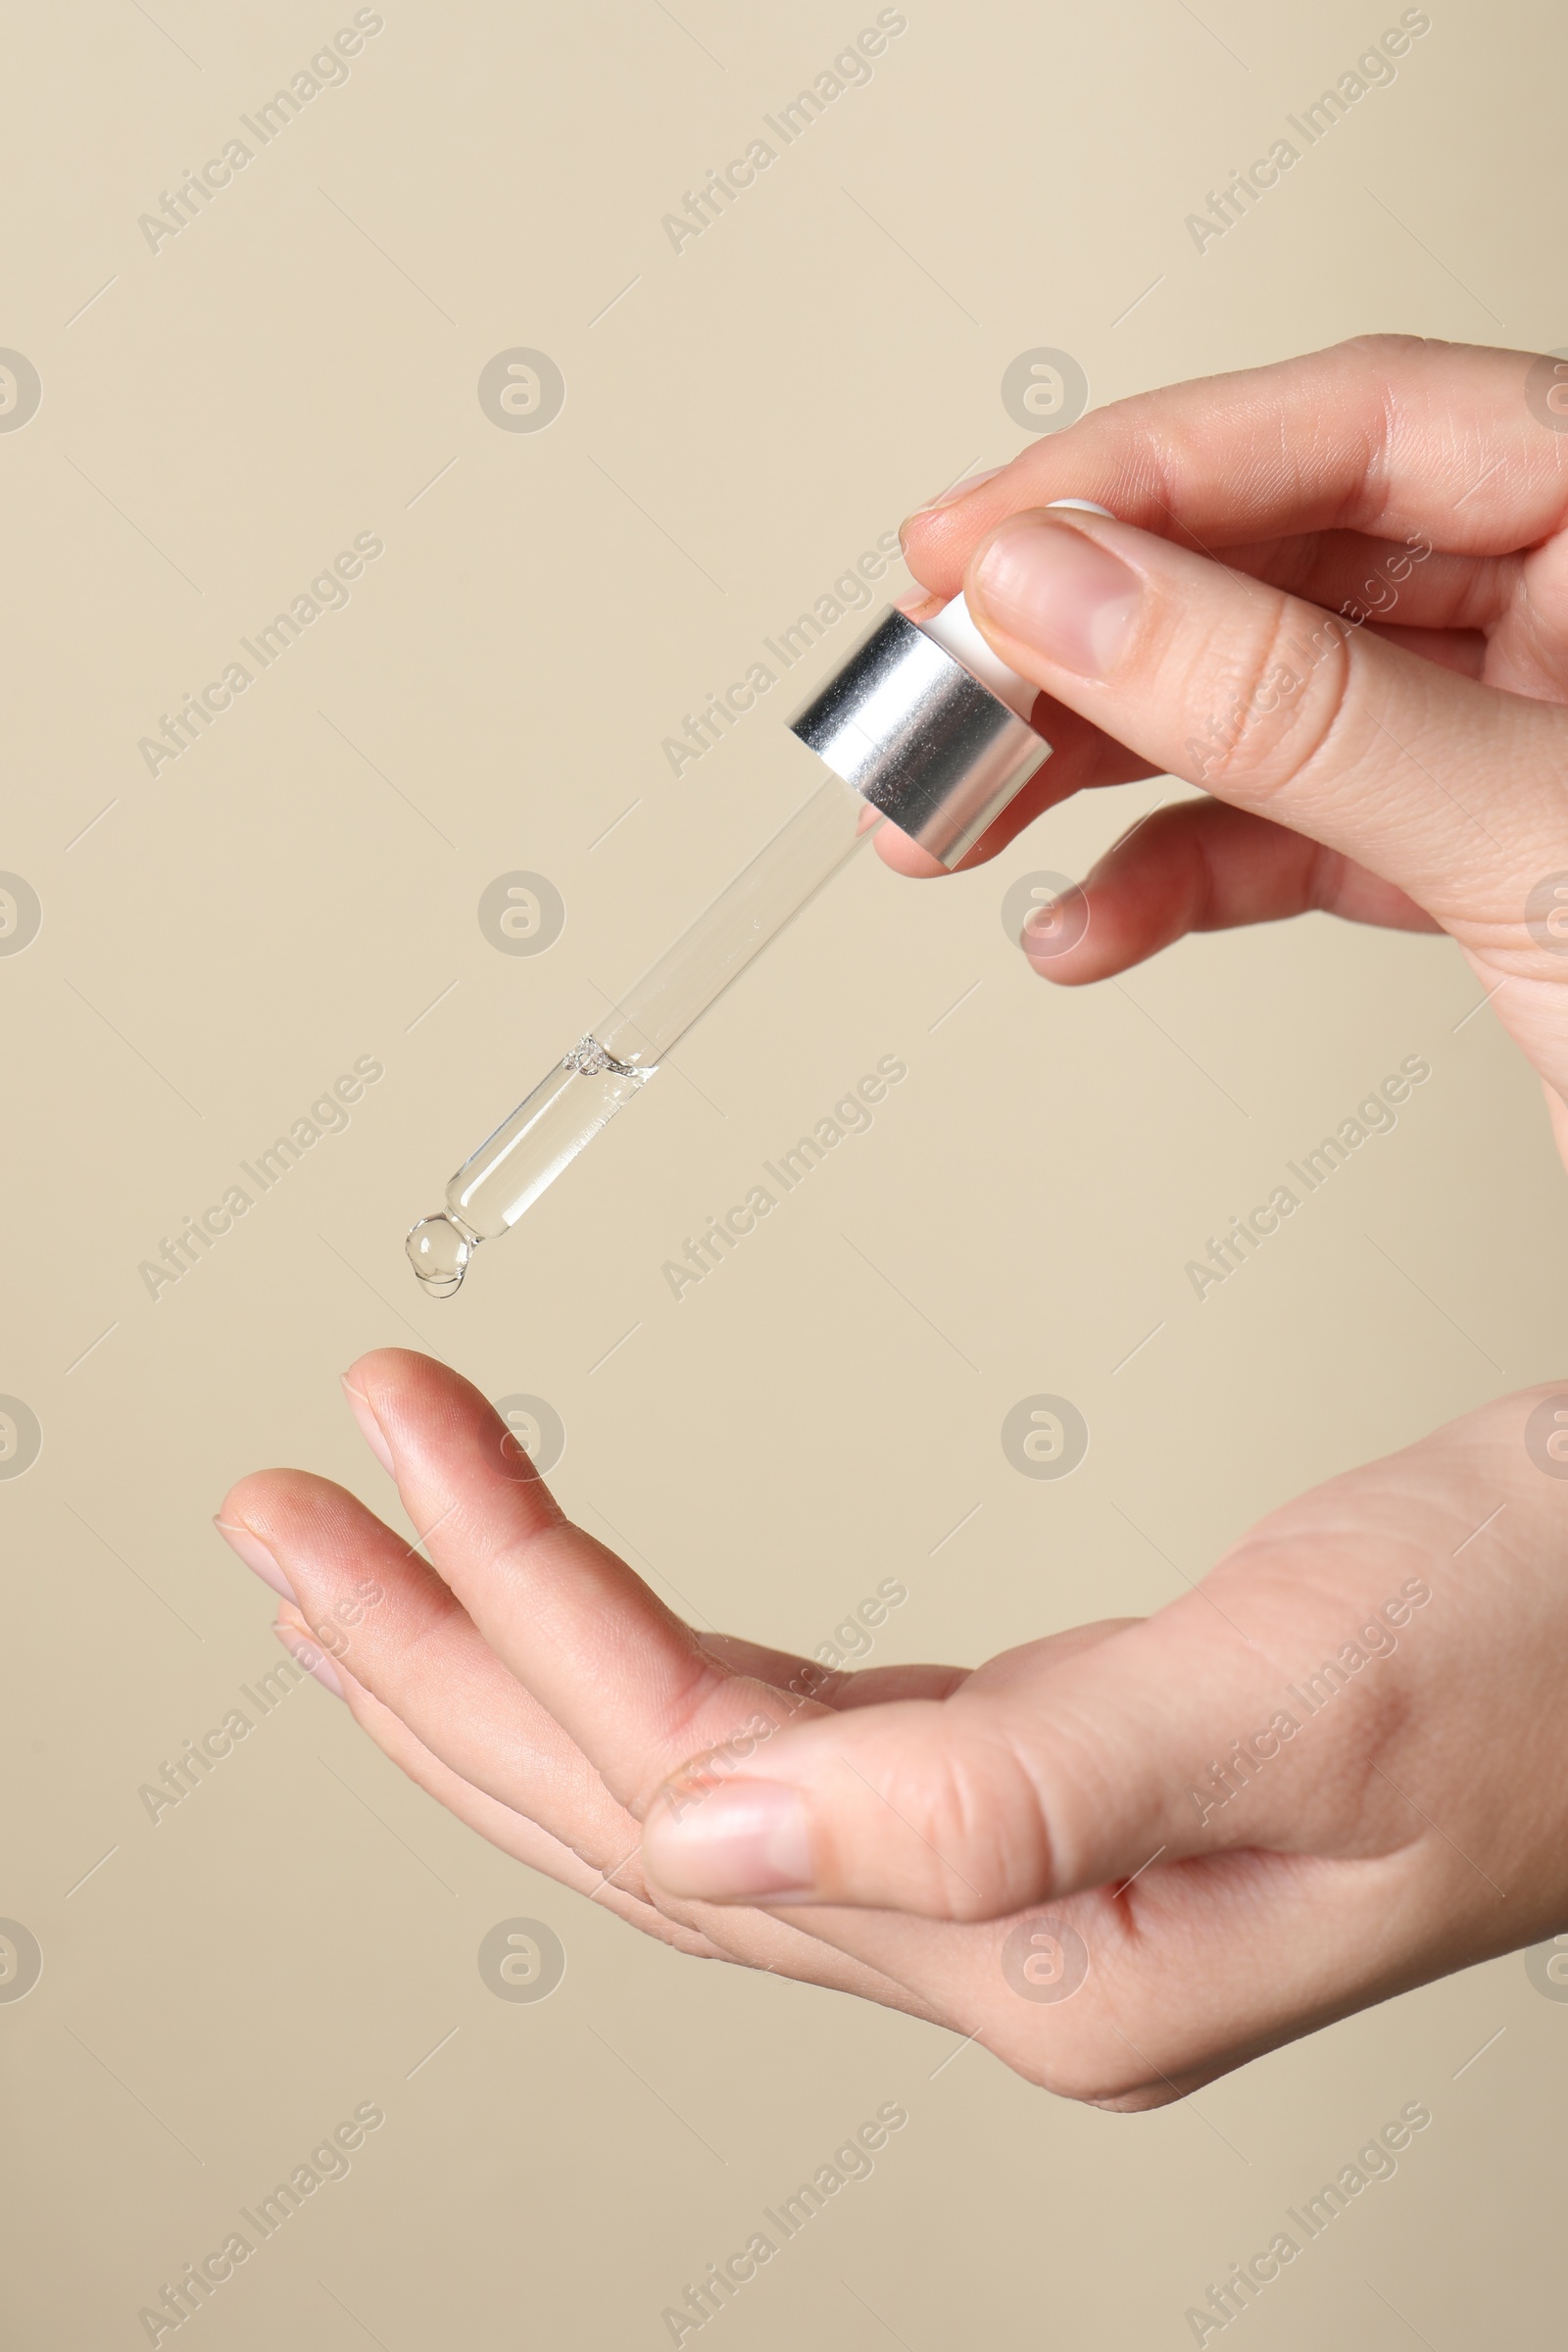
{"x": 1038, "y": 1778}
{"x": 1437, "y": 783}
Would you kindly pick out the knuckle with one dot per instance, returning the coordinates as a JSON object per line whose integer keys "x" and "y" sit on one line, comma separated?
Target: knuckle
{"x": 978, "y": 1848}
{"x": 427, "y": 1633}
{"x": 1522, "y": 937}
{"x": 1353, "y": 1692}
{"x": 1374, "y": 355}
{"x": 1278, "y": 701}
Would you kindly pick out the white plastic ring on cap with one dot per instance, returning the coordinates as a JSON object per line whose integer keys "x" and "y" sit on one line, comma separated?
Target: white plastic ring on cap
{"x": 956, "y": 630}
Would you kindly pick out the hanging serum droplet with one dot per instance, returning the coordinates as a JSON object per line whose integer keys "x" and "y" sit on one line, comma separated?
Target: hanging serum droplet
{"x": 439, "y": 1253}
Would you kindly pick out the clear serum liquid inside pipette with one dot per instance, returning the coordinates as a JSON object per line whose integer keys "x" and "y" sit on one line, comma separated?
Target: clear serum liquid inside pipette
{"x": 526, "y": 1152}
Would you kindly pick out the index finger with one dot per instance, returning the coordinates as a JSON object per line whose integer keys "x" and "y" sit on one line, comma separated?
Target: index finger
{"x": 1387, "y": 435}
{"x": 623, "y": 1676}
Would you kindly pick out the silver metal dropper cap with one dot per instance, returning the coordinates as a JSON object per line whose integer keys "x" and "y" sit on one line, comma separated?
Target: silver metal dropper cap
{"x": 920, "y": 735}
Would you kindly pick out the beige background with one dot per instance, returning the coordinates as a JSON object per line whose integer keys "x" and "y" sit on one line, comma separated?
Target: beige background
{"x": 218, "y": 943}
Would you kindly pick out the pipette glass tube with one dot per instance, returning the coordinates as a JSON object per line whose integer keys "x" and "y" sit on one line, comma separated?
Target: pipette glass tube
{"x": 923, "y": 725}
{"x": 612, "y": 1065}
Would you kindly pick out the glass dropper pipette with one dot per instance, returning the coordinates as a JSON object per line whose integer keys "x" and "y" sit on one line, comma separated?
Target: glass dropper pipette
{"x": 614, "y": 1061}
{"x": 923, "y": 725}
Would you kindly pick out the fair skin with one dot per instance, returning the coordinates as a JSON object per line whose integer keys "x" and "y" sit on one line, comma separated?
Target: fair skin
{"x": 891, "y": 1833}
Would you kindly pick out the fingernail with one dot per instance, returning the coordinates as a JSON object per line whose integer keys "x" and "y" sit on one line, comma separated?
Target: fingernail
{"x": 1056, "y": 926}
{"x": 949, "y": 498}
{"x": 370, "y": 1427}
{"x": 314, "y": 1661}
{"x": 1058, "y": 592}
{"x": 1043, "y": 929}
{"x": 737, "y": 1838}
{"x": 255, "y": 1556}
{"x": 918, "y": 603}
